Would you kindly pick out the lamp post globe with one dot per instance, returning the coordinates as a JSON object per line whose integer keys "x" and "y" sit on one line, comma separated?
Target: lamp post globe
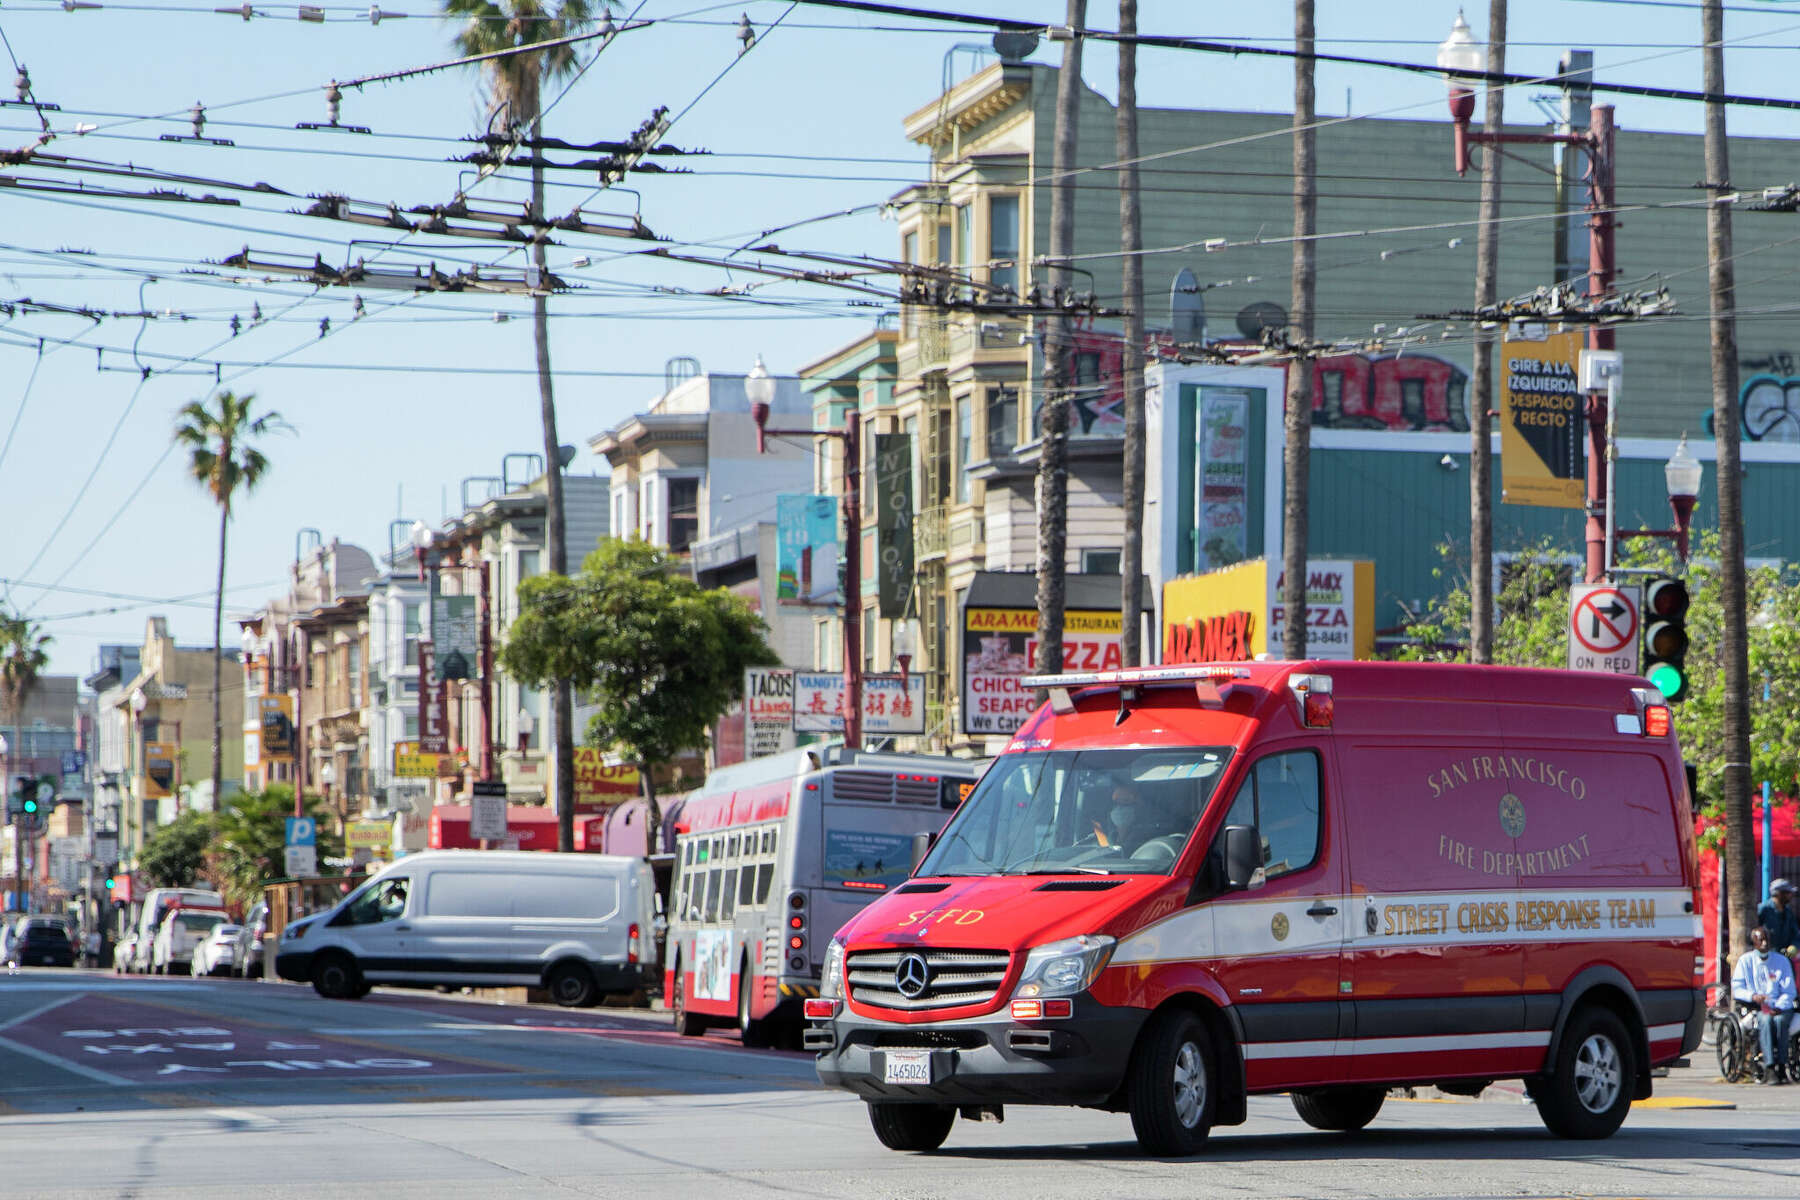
{"x": 759, "y": 389}
{"x": 1681, "y": 474}
{"x": 1460, "y": 55}
{"x": 139, "y": 701}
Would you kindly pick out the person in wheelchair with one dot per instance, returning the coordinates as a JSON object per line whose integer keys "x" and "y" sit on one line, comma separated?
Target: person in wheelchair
{"x": 1762, "y": 983}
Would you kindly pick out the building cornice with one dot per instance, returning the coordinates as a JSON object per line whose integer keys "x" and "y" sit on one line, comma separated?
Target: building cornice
{"x": 981, "y": 97}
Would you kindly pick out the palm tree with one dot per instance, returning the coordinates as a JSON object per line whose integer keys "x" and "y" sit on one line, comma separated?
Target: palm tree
{"x": 222, "y": 460}
{"x": 514, "y": 95}
{"x": 24, "y": 655}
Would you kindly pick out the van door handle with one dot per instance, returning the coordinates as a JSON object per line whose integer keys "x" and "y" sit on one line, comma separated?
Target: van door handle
{"x": 1322, "y": 909}
{"x": 405, "y": 926}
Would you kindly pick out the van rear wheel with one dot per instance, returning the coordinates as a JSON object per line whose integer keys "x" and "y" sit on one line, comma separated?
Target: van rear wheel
{"x": 335, "y": 977}
{"x": 1588, "y": 1091}
{"x": 1173, "y": 1087}
{"x": 571, "y": 985}
{"x": 911, "y": 1126}
{"x": 1339, "y": 1109}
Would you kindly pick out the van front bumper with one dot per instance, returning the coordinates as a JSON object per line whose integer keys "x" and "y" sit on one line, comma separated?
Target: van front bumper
{"x": 294, "y": 965}
{"x": 984, "y": 1060}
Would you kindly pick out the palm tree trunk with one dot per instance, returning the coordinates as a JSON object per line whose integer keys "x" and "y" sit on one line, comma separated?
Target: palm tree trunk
{"x": 1481, "y": 379}
{"x": 562, "y": 714}
{"x": 1734, "y": 646}
{"x": 218, "y": 724}
{"x": 1296, "y": 458}
{"x": 1053, "y": 461}
{"x": 652, "y": 810}
{"x": 1131, "y": 241}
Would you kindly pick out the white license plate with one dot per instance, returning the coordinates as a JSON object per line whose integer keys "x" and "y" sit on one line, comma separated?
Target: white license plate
{"x": 907, "y": 1066}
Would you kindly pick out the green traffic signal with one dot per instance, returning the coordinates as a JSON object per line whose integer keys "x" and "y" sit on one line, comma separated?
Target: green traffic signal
{"x": 31, "y": 805}
{"x": 1666, "y": 637}
{"x": 111, "y": 883}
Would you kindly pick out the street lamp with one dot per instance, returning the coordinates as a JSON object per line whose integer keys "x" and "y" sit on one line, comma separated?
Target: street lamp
{"x": 525, "y": 723}
{"x": 1461, "y": 55}
{"x": 905, "y": 646}
{"x": 1682, "y": 476}
{"x": 759, "y": 388}
{"x": 423, "y": 536}
{"x": 327, "y": 777}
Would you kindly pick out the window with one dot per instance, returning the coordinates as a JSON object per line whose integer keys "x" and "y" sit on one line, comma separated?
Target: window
{"x": 412, "y": 629}
{"x": 355, "y": 657}
{"x": 965, "y": 234}
{"x": 684, "y": 513}
{"x": 1002, "y": 421}
{"x": 409, "y": 725}
{"x": 1100, "y": 562}
{"x": 647, "y": 510}
{"x": 728, "y": 894}
{"x": 965, "y": 446}
{"x": 712, "y": 895}
{"x": 944, "y": 245}
{"x": 765, "y": 874}
{"x": 379, "y": 902}
{"x": 1003, "y": 242}
{"x": 1281, "y": 798}
{"x": 909, "y": 248}
{"x": 747, "y": 888}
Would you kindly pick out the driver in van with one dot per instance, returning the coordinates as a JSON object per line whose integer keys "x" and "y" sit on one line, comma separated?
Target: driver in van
{"x": 1130, "y": 821}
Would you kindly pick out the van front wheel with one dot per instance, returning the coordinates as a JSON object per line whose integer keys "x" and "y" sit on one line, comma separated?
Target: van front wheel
{"x": 1339, "y": 1109}
{"x": 1173, "y": 1087}
{"x": 1588, "y": 1091}
{"x": 571, "y": 985}
{"x": 335, "y": 977}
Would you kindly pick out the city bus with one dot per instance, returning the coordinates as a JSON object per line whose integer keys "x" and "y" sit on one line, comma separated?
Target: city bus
{"x": 771, "y": 857}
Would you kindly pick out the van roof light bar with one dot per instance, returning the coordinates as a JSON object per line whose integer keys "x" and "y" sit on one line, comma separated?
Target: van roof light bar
{"x": 1138, "y": 676}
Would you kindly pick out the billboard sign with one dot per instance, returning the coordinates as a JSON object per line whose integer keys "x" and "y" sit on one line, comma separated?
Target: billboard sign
{"x": 1000, "y": 648}
{"x": 600, "y": 782}
{"x": 1541, "y": 425}
{"x": 455, "y": 638}
{"x": 806, "y": 558}
{"x": 889, "y": 706}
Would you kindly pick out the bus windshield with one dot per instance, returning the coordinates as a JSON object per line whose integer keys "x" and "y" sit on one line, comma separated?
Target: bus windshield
{"x": 1077, "y": 812}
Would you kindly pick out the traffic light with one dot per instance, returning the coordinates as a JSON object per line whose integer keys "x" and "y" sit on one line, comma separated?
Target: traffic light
{"x": 30, "y": 807}
{"x": 1666, "y": 637}
{"x": 111, "y": 883}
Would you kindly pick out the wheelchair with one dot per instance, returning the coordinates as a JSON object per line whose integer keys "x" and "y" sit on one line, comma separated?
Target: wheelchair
{"x": 1739, "y": 1046}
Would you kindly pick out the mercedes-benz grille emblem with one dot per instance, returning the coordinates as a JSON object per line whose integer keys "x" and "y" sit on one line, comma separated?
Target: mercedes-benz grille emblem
{"x": 912, "y": 976}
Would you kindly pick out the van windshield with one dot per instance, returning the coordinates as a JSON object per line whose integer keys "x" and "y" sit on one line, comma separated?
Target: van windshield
{"x": 1104, "y": 812}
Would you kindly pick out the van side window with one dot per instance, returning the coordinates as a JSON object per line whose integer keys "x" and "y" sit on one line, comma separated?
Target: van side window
{"x": 1281, "y": 798}
{"x": 386, "y": 901}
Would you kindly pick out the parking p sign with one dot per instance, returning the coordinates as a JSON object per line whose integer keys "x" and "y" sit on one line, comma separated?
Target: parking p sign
{"x": 1603, "y": 628}
{"x": 301, "y": 850}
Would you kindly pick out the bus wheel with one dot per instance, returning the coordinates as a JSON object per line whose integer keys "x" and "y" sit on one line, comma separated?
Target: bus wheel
{"x": 754, "y": 1033}
{"x": 1588, "y": 1091}
{"x": 1173, "y": 1086}
{"x": 911, "y": 1126}
{"x": 1339, "y": 1109}
{"x": 686, "y": 1023}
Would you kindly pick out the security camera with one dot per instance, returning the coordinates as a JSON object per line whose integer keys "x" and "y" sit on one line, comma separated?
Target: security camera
{"x": 1449, "y": 463}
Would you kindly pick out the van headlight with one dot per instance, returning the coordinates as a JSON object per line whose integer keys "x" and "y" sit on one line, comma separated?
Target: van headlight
{"x": 1064, "y": 968}
{"x": 293, "y": 933}
{"x": 831, "y": 983}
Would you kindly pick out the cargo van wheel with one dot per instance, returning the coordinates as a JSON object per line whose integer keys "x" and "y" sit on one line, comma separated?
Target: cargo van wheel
{"x": 571, "y": 985}
{"x": 1339, "y": 1109}
{"x": 910, "y": 1126}
{"x": 1588, "y": 1091}
{"x": 335, "y": 977}
{"x": 1172, "y": 1086}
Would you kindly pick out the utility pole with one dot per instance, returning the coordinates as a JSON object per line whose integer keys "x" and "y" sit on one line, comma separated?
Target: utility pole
{"x": 1053, "y": 460}
{"x": 1601, "y": 266}
{"x": 1296, "y": 459}
{"x": 1734, "y": 644}
{"x": 1131, "y": 238}
{"x": 1481, "y": 383}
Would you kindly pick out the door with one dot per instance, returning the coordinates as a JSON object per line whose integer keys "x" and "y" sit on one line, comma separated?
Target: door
{"x": 1280, "y": 945}
{"x": 376, "y": 927}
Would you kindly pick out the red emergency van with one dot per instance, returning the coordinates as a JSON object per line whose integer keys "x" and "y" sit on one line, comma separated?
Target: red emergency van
{"x": 1180, "y": 887}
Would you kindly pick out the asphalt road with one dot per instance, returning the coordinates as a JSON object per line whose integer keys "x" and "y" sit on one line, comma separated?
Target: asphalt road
{"x": 176, "y": 1088}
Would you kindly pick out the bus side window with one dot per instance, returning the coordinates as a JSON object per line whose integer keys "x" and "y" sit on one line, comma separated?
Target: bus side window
{"x": 712, "y": 895}
{"x": 747, "y": 886}
{"x": 765, "y": 874}
{"x": 728, "y": 895}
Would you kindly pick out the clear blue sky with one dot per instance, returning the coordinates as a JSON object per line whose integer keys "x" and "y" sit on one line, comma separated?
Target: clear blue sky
{"x": 373, "y": 440}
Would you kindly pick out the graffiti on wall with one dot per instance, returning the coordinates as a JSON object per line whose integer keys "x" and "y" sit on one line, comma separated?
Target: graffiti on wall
{"x": 1390, "y": 391}
{"x": 1770, "y": 399}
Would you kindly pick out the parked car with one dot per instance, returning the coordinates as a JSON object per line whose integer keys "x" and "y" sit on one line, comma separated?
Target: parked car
{"x": 172, "y": 952}
{"x": 124, "y": 950}
{"x": 577, "y": 925}
{"x": 247, "y": 959}
{"x": 42, "y": 943}
{"x": 215, "y": 953}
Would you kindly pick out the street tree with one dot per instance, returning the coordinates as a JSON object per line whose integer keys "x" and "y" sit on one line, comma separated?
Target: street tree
{"x": 659, "y": 657}
{"x": 24, "y": 657}
{"x": 1530, "y": 630}
{"x": 514, "y": 86}
{"x": 174, "y": 855}
{"x": 247, "y": 849}
{"x": 223, "y": 458}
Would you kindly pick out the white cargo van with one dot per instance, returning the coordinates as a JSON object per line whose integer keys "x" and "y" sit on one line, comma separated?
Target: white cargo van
{"x": 156, "y": 905}
{"x": 578, "y": 925}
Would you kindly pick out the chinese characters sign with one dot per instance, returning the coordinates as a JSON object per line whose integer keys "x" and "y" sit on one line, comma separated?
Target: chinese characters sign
{"x": 888, "y": 707}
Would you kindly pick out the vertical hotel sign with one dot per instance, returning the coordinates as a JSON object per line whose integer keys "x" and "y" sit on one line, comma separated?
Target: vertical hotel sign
{"x": 894, "y": 522}
{"x": 1541, "y": 459}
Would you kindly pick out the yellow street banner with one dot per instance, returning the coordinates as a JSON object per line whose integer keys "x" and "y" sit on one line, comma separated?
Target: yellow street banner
{"x": 412, "y": 763}
{"x": 1541, "y": 460}
{"x": 367, "y": 835}
{"x": 596, "y": 780}
{"x": 159, "y": 769}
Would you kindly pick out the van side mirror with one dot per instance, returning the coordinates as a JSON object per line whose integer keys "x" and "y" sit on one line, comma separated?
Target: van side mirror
{"x": 922, "y": 844}
{"x": 1243, "y": 857}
